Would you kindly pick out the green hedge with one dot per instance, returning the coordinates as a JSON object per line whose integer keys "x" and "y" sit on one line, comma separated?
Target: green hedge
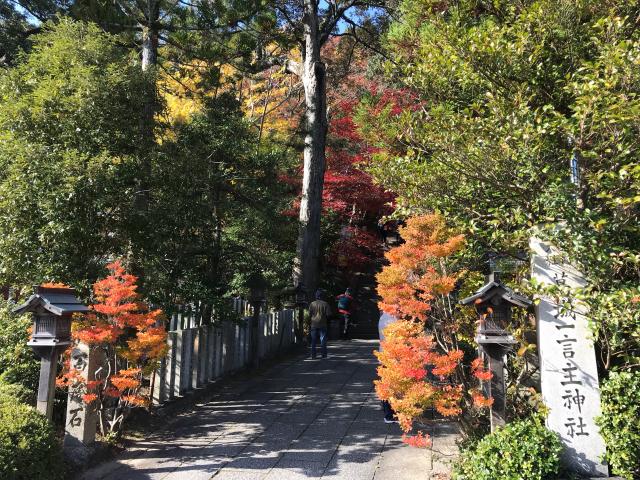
{"x": 17, "y": 392}
{"x": 524, "y": 450}
{"x": 18, "y": 364}
{"x": 620, "y": 422}
{"x": 28, "y": 446}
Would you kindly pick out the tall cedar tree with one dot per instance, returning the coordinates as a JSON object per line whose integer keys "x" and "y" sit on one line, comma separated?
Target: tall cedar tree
{"x": 309, "y": 24}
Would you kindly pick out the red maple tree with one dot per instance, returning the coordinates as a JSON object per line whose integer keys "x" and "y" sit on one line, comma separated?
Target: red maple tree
{"x": 351, "y": 196}
{"x": 418, "y": 371}
{"x": 128, "y": 338}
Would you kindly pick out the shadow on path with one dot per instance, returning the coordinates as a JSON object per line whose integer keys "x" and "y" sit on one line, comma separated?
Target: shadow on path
{"x": 300, "y": 419}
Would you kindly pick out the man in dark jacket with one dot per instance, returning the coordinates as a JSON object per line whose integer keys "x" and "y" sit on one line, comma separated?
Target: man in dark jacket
{"x": 319, "y": 312}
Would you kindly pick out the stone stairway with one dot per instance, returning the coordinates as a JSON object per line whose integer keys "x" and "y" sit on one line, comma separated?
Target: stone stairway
{"x": 366, "y": 314}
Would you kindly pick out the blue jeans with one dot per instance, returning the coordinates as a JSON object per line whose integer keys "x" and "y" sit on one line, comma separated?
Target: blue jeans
{"x": 322, "y": 331}
{"x": 345, "y": 325}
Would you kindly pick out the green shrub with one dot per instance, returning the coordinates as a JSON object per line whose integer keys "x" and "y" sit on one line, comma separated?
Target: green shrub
{"x": 28, "y": 446}
{"x": 523, "y": 450}
{"x": 18, "y": 365}
{"x": 620, "y": 422}
{"x": 16, "y": 392}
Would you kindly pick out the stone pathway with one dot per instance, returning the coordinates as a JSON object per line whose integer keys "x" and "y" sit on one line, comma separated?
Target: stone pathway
{"x": 301, "y": 419}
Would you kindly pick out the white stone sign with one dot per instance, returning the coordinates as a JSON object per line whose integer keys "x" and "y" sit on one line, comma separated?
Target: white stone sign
{"x": 568, "y": 368}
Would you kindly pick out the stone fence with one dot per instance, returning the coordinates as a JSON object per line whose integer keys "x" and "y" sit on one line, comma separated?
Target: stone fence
{"x": 200, "y": 353}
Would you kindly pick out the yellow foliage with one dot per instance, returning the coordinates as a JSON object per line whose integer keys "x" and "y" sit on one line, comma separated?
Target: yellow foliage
{"x": 181, "y": 93}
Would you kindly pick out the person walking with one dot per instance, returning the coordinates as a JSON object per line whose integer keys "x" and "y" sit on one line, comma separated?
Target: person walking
{"x": 345, "y": 306}
{"x": 319, "y": 311}
{"x": 386, "y": 319}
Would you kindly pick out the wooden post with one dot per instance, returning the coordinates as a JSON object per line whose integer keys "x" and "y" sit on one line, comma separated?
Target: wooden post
{"x": 495, "y": 353}
{"x": 47, "y": 383}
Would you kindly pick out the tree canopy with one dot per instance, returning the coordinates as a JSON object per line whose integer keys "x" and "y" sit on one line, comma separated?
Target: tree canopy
{"x": 524, "y": 116}
{"x": 71, "y": 159}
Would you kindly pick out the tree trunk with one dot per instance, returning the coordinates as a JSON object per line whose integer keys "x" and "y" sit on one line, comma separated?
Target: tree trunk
{"x": 306, "y": 266}
{"x": 149, "y": 62}
{"x": 214, "y": 249}
{"x": 150, "y": 35}
{"x": 150, "y": 11}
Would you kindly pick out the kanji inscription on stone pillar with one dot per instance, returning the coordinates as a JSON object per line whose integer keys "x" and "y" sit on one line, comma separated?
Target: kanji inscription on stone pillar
{"x": 569, "y": 376}
{"x": 81, "y": 419}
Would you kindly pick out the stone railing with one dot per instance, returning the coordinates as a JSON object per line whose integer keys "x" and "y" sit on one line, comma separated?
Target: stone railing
{"x": 201, "y": 353}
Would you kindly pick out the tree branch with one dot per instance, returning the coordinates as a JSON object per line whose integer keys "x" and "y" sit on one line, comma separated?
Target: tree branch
{"x": 353, "y": 34}
{"x": 293, "y": 67}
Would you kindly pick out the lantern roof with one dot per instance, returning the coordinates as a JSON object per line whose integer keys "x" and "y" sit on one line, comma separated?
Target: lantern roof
{"x": 57, "y": 300}
{"x": 497, "y": 289}
{"x": 294, "y": 288}
{"x": 256, "y": 280}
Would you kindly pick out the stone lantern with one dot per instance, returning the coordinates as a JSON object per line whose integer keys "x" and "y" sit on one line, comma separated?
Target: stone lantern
{"x": 52, "y": 309}
{"x": 392, "y": 238}
{"x": 493, "y": 303}
{"x": 296, "y": 297}
{"x": 257, "y": 297}
{"x": 257, "y": 289}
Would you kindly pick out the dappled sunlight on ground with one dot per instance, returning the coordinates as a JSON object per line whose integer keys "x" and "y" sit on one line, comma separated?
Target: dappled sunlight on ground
{"x": 300, "y": 419}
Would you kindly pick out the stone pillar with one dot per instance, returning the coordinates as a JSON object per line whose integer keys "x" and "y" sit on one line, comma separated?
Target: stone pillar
{"x": 187, "y": 355}
{"x": 246, "y": 343}
{"x": 568, "y": 370}
{"x": 218, "y": 351}
{"x": 226, "y": 350}
{"x": 255, "y": 338}
{"x": 297, "y": 321}
{"x": 179, "y": 372}
{"x": 195, "y": 359}
{"x": 81, "y": 420}
{"x": 172, "y": 366}
{"x": 203, "y": 347}
{"x": 237, "y": 347}
{"x": 158, "y": 382}
{"x": 211, "y": 352}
